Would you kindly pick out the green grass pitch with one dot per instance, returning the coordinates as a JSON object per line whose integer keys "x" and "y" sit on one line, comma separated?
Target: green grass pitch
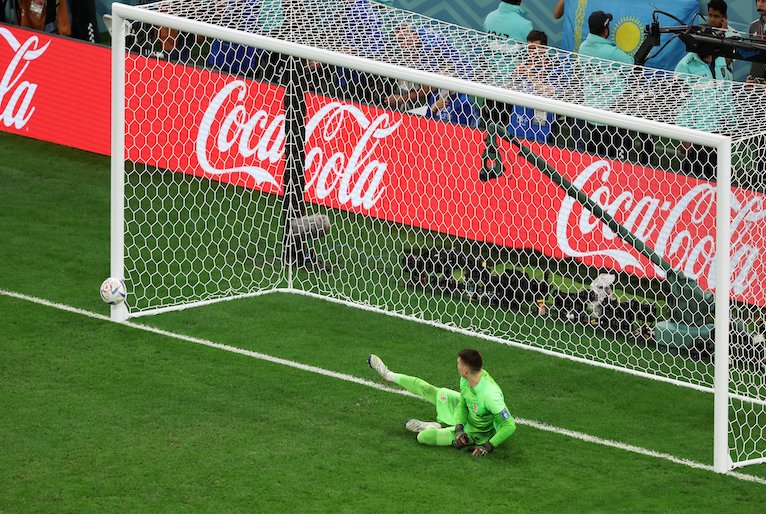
{"x": 99, "y": 417}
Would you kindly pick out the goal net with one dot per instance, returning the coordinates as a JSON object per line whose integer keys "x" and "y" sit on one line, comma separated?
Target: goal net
{"x": 371, "y": 156}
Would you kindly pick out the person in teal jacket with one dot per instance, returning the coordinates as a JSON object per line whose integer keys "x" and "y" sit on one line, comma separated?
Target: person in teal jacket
{"x": 508, "y": 20}
{"x": 704, "y": 66}
{"x": 476, "y": 417}
{"x": 707, "y": 104}
{"x": 603, "y": 73}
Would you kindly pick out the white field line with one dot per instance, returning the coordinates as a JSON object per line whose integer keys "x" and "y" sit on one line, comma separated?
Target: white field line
{"x": 368, "y": 383}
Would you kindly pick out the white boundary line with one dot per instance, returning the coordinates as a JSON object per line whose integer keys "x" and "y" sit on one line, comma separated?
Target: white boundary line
{"x": 451, "y": 328}
{"x": 368, "y": 383}
{"x": 499, "y": 340}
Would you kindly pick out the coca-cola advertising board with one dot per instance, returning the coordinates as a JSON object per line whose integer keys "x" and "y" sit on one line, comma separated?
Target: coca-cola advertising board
{"x": 55, "y": 89}
{"x": 406, "y": 169}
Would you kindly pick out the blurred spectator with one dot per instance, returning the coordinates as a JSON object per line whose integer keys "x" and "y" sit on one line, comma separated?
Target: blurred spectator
{"x": 535, "y": 74}
{"x": 363, "y": 36}
{"x": 717, "y": 14}
{"x": 362, "y": 29}
{"x": 508, "y": 20}
{"x": 175, "y": 46}
{"x": 452, "y": 107}
{"x": 758, "y": 70}
{"x": 427, "y": 50}
{"x": 717, "y": 18}
{"x": 431, "y": 51}
{"x": 597, "y": 43}
{"x": 704, "y": 65}
{"x": 51, "y": 16}
{"x": 254, "y": 16}
{"x": 84, "y": 24}
{"x": 703, "y": 110}
{"x": 603, "y": 85}
{"x": 558, "y": 9}
{"x": 226, "y": 56}
{"x": 3, "y": 16}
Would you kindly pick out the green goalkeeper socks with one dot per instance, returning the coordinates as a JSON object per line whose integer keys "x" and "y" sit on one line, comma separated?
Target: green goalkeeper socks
{"x": 437, "y": 436}
{"x": 416, "y": 385}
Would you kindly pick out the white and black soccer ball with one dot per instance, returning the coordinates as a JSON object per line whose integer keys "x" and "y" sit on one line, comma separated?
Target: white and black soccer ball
{"x": 113, "y": 291}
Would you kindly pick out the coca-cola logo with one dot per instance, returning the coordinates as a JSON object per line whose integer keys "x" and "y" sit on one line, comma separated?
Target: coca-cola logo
{"x": 238, "y": 127}
{"x": 258, "y": 138}
{"x": 357, "y": 177}
{"x": 350, "y": 149}
{"x": 658, "y": 222}
{"x": 16, "y": 95}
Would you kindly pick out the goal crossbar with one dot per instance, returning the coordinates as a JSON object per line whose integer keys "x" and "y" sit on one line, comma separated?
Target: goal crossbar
{"x": 364, "y": 64}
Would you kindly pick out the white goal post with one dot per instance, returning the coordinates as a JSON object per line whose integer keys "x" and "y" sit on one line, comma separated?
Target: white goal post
{"x": 195, "y": 219}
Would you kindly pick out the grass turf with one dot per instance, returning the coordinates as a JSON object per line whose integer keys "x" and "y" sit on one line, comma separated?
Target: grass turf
{"x": 103, "y": 417}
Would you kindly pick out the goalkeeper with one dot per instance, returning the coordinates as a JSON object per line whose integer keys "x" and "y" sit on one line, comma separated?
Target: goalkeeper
{"x": 475, "y": 417}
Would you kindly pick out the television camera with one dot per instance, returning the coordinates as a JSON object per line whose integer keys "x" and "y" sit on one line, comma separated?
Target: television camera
{"x": 703, "y": 39}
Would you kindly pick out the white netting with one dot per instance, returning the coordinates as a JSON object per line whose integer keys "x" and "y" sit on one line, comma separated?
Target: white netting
{"x": 556, "y": 233}
{"x": 390, "y": 35}
{"x": 747, "y": 425}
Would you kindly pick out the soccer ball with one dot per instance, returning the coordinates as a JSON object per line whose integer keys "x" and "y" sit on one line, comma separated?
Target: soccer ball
{"x": 113, "y": 291}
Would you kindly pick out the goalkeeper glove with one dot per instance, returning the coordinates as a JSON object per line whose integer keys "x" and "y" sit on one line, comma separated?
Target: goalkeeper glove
{"x": 483, "y": 450}
{"x": 461, "y": 438}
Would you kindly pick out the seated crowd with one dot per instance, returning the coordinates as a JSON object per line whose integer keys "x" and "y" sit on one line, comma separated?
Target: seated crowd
{"x": 75, "y": 18}
{"x": 516, "y": 55}
{"x": 603, "y": 70}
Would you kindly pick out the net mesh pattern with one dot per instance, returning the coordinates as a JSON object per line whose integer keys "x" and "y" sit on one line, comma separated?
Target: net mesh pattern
{"x": 249, "y": 170}
{"x": 390, "y": 35}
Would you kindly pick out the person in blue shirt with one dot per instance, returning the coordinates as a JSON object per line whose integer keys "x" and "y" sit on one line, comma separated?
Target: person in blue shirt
{"x": 427, "y": 50}
{"x": 538, "y": 73}
{"x": 455, "y": 108}
{"x": 430, "y": 50}
{"x": 237, "y": 58}
{"x": 363, "y": 36}
{"x": 362, "y": 29}
{"x": 508, "y": 20}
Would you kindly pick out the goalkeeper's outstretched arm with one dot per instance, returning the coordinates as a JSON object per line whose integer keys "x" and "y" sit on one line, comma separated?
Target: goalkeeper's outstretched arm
{"x": 506, "y": 426}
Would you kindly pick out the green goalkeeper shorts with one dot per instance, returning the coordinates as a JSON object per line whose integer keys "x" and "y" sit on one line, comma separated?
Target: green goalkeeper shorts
{"x": 447, "y": 402}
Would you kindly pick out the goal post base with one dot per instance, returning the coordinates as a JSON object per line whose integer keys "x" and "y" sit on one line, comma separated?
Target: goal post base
{"x": 742, "y": 464}
{"x": 202, "y": 303}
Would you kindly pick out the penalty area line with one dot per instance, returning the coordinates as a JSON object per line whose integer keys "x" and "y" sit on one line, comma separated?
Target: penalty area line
{"x": 369, "y": 383}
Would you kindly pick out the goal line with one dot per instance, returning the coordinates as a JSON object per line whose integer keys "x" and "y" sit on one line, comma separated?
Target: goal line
{"x": 368, "y": 383}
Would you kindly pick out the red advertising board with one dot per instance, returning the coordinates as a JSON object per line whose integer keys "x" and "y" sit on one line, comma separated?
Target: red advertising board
{"x": 385, "y": 164}
{"x": 55, "y": 89}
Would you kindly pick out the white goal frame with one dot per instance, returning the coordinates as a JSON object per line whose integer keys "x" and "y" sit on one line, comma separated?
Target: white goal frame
{"x": 722, "y": 144}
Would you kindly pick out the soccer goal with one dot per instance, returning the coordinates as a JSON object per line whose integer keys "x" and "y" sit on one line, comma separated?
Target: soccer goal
{"x": 344, "y": 150}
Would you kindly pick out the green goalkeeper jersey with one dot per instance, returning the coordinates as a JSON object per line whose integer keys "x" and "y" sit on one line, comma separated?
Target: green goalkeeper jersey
{"x": 483, "y": 412}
